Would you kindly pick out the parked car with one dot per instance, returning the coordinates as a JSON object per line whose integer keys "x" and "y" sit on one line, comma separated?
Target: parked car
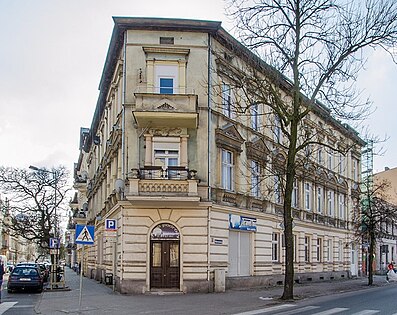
{"x": 25, "y": 277}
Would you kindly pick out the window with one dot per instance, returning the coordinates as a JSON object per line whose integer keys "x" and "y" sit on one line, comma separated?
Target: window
{"x": 277, "y": 189}
{"x": 308, "y": 196}
{"x": 167, "y": 40}
{"x": 330, "y": 251}
{"x": 320, "y": 200}
{"x": 341, "y": 206}
{"x": 166, "y": 152}
{"x": 331, "y": 203}
{"x": 254, "y": 117}
{"x": 319, "y": 250}
{"x": 166, "y": 78}
{"x": 255, "y": 180}
{"x": 341, "y": 166}
{"x": 277, "y": 129}
{"x": 320, "y": 156}
{"x": 227, "y": 170}
{"x": 239, "y": 254}
{"x": 166, "y": 86}
{"x": 330, "y": 161}
{"x": 275, "y": 247}
{"x": 355, "y": 170}
{"x": 295, "y": 194}
{"x": 226, "y": 100}
{"x": 307, "y": 249}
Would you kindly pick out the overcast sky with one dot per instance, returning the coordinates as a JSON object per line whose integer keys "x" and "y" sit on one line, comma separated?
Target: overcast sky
{"x": 51, "y": 59}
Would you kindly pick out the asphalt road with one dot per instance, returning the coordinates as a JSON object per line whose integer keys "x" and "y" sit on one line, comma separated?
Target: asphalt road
{"x": 366, "y": 302}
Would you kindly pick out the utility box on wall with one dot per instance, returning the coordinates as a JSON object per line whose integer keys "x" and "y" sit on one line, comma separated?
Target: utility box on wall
{"x": 219, "y": 280}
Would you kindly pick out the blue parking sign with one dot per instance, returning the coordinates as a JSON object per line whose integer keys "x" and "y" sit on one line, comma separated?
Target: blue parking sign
{"x": 110, "y": 225}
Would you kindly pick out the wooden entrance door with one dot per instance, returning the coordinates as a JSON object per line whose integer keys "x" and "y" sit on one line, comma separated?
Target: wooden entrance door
{"x": 164, "y": 264}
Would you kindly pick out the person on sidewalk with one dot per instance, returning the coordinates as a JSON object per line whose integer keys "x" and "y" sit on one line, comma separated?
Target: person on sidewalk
{"x": 2, "y": 271}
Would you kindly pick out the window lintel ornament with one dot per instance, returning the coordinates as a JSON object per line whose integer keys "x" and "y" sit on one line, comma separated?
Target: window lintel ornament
{"x": 229, "y": 138}
{"x": 257, "y": 150}
{"x": 166, "y": 50}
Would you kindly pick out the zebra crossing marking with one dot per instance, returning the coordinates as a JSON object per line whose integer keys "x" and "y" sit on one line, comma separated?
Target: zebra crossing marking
{"x": 5, "y": 306}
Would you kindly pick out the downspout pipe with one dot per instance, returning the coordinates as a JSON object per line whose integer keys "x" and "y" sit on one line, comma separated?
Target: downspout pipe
{"x": 209, "y": 141}
{"x": 123, "y": 163}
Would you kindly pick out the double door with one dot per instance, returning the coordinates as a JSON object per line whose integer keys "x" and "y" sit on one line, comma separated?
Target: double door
{"x": 164, "y": 264}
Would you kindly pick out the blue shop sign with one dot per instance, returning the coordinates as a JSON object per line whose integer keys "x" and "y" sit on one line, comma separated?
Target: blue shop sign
{"x": 239, "y": 222}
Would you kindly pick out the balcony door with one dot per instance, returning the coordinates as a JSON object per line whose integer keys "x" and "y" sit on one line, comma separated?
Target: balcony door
{"x": 164, "y": 253}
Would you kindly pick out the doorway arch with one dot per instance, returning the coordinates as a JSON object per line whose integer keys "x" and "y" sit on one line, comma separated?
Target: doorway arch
{"x": 164, "y": 257}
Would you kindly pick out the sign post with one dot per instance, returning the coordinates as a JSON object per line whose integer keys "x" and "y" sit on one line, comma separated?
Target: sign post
{"x": 111, "y": 230}
{"x": 84, "y": 236}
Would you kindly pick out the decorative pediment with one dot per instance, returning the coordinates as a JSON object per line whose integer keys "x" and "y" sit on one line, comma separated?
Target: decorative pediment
{"x": 257, "y": 150}
{"x": 165, "y": 105}
{"x": 229, "y": 138}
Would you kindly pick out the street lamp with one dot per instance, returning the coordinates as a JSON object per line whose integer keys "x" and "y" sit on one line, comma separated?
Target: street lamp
{"x": 54, "y": 266}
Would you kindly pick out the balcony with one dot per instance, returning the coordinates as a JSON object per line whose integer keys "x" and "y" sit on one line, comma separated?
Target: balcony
{"x": 153, "y": 184}
{"x": 171, "y": 110}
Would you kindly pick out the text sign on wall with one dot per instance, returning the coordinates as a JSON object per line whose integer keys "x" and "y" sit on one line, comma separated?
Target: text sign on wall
{"x": 239, "y": 222}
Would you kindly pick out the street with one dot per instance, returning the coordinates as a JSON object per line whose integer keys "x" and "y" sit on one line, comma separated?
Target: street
{"x": 319, "y": 298}
{"x": 366, "y": 302}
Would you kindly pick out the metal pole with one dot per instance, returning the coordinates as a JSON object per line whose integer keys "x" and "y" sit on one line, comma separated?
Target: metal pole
{"x": 81, "y": 278}
{"x": 114, "y": 263}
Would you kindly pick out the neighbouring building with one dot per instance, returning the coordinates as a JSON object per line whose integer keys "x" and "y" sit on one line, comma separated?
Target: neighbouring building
{"x": 184, "y": 177}
{"x": 386, "y": 250}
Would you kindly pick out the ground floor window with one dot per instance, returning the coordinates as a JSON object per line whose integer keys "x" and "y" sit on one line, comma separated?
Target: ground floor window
{"x": 239, "y": 253}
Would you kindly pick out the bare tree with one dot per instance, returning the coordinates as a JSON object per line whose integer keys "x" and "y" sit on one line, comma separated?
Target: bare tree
{"x": 314, "y": 50}
{"x": 374, "y": 217}
{"x": 35, "y": 202}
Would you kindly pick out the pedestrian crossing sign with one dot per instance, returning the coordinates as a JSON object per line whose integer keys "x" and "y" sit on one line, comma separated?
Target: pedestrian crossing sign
{"x": 84, "y": 234}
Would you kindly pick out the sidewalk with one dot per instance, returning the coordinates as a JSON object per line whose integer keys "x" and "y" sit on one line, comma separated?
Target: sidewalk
{"x": 99, "y": 299}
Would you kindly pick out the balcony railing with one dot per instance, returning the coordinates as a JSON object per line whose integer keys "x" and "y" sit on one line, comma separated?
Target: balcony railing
{"x": 157, "y": 172}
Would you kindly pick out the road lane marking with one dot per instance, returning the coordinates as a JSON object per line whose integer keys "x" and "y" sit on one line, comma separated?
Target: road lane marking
{"x": 332, "y": 311}
{"x": 367, "y": 312}
{"x": 299, "y": 310}
{"x": 267, "y": 309}
{"x": 5, "y": 306}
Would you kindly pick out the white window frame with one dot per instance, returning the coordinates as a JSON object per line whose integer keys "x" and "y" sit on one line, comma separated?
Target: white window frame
{"x": 277, "y": 189}
{"x": 275, "y": 247}
{"x": 255, "y": 178}
{"x": 227, "y": 100}
{"x": 254, "y": 116}
{"x": 330, "y": 161}
{"x": 320, "y": 199}
{"x": 227, "y": 170}
{"x": 319, "y": 249}
{"x": 320, "y": 156}
{"x": 308, "y": 196}
{"x": 331, "y": 203}
{"x": 306, "y": 248}
{"x": 355, "y": 169}
{"x": 295, "y": 194}
{"x": 166, "y": 71}
{"x": 341, "y": 199}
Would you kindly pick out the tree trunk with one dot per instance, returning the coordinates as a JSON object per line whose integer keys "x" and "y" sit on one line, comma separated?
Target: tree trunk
{"x": 288, "y": 293}
{"x": 371, "y": 259}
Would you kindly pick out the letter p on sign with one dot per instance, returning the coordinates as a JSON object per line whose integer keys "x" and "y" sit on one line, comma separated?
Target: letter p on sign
{"x": 110, "y": 225}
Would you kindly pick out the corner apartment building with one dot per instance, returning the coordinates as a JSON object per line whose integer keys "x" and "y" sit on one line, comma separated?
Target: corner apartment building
{"x": 183, "y": 174}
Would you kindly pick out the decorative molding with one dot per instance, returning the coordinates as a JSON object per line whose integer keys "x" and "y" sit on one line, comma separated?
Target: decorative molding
{"x": 229, "y": 138}
{"x": 165, "y": 131}
{"x": 166, "y": 106}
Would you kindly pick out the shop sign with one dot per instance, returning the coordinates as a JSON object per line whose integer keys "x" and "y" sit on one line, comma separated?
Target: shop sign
{"x": 165, "y": 231}
{"x": 238, "y": 222}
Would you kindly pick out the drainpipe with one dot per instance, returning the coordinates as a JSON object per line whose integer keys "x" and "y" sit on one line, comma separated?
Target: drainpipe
{"x": 209, "y": 141}
{"x": 123, "y": 111}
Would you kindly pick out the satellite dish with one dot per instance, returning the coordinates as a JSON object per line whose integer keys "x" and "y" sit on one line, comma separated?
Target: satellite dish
{"x": 119, "y": 185}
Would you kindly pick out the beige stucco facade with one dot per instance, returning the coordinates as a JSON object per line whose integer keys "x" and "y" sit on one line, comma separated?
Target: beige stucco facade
{"x": 164, "y": 159}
